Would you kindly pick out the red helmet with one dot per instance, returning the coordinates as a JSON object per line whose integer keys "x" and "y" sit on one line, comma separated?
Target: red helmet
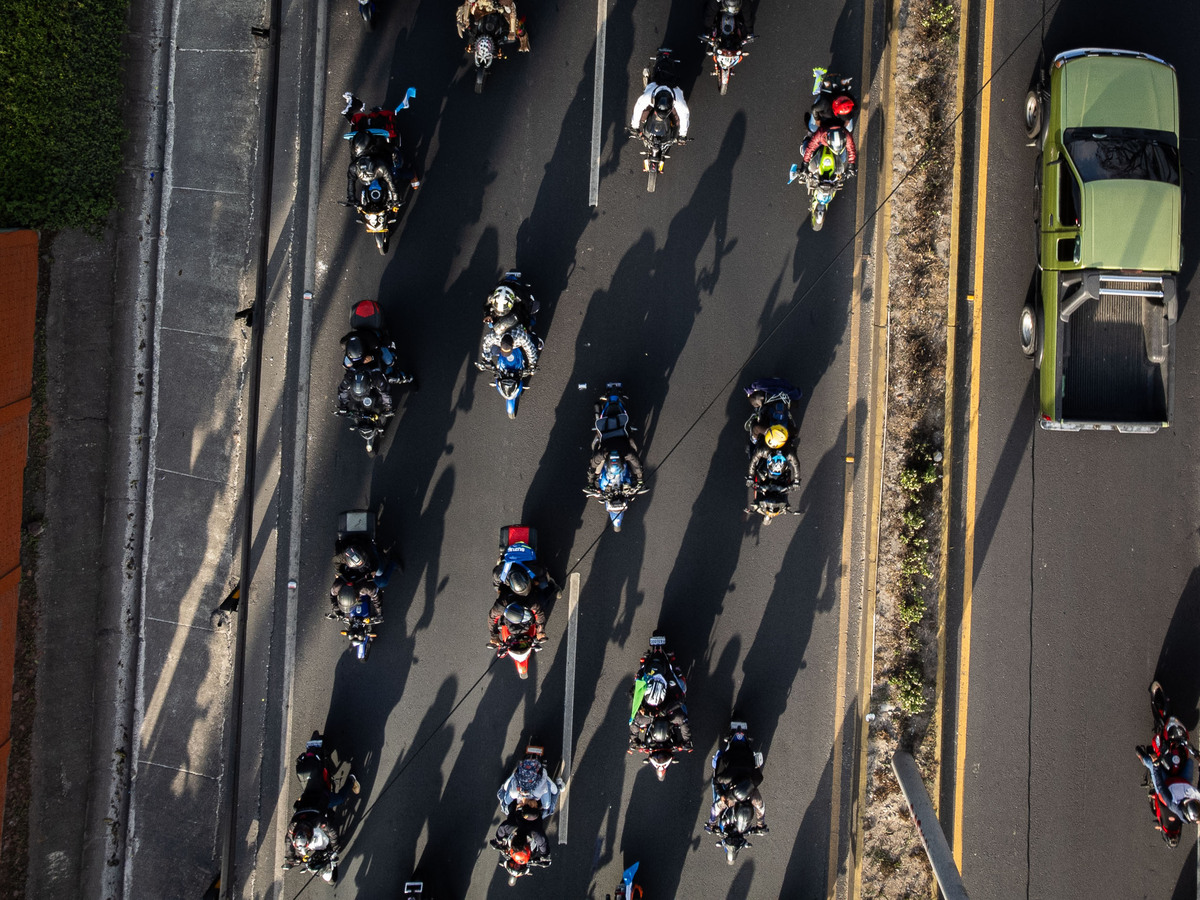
{"x": 843, "y": 106}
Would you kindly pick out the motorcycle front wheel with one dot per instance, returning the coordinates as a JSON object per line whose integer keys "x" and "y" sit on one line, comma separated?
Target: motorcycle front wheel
{"x": 367, "y": 11}
{"x": 652, "y": 177}
{"x": 724, "y": 81}
{"x": 818, "y": 217}
{"x": 480, "y": 75}
{"x": 381, "y": 241}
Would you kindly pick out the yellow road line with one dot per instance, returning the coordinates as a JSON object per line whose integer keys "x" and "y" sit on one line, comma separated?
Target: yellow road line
{"x": 939, "y": 716}
{"x": 964, "y": 660}
{"x": 855, "y": 322}
{"x": 877, "y": 405}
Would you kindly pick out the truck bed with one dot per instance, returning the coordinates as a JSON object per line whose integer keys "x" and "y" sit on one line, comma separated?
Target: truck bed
{"x": 1116, "y": 351}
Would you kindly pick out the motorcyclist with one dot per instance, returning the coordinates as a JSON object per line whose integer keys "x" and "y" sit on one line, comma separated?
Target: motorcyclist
{"x": 1176, "y": 791}
{"x": 529, "y": 782}
{"x": 310, "y": 832}
{"x": 775, "y": 463}
{"x": 496, "y": 345}
{"x": 363, "y": 350}
{"x": 771, "y": 400}
{"x": 664, "y": 101}
{"x": 360, "y": 573}
{"x": 518, "y": 613}
{"x": 735, "y": 780}
{"x": 472, "y": 11}
{"x": 836, "y": 138}
{"x": 626, "y": 451}
{"x": 522, "y": 577}
{"x": 662, "y": 698}
{"x": 522, "y": 831}
{"x": 365, "y": 145}
{"x": 728, "y": 29}
{"x": 510, "y": 304}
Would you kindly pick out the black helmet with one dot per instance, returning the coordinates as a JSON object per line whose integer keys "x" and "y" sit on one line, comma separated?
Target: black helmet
{"x": 530, "y": 812}
{"x": 506, "y": 343}
{"x": 659, "y": 731}
{"x": 361, "y": 144}
{"x": 355, "y": 350}
{"x": 347, "y": 597}
{"x": 515, "y": 614}
{"x": 664, "y": 99}
{"x": 519, "y": 581}
{"x": 743, "y": 816}
{"x": 359, "y": 387}
{"x": 742, "y": 788}
{"x": 354, "y": 555}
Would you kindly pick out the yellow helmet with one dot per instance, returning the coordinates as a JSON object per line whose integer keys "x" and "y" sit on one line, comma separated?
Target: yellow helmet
{"x": 777, "y": 436}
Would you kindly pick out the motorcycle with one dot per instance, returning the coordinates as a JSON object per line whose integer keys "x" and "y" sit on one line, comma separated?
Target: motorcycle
{"x": 627, "y": 890}
{"x": 377, "y": 210}
{"x": 529, "y": 787}
{"x": 364, "y": 409}
{"x": 511, "y": 371}
{"x": 657, "y": 133}
{"x": 736, "y": 758}
{"x": 726, "y": 41}
{"x": 769, "y": 498}
{"x": 366, "y": 9}
{"x": 615, "y": 486}
{"x": 768, "y": 490}
{"x": 489, "y": 35}
{"x": 518, "y": 544}
{"x": 657, "y": 739}
{"x": 356, "y": 615}
{"x": 314, "y": 770}
{"x": 1172, "y": 753}
{"x": 828, "y": 176}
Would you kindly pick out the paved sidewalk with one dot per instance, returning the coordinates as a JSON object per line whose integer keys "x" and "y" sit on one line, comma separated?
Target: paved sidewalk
{"x": 147, "y": 375}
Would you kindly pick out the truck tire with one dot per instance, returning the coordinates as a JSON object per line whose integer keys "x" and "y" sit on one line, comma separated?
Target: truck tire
{"x": 1034, "y": 110}
{"x": 1030, "y": 328}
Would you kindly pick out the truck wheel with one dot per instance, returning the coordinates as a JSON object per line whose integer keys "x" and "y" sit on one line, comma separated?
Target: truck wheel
{"x": 1031, "y": 334}
{"x": 1033, "y": 115}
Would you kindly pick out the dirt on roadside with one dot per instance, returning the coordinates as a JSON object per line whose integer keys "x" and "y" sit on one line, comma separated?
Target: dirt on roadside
{"x": 918, "y": 248}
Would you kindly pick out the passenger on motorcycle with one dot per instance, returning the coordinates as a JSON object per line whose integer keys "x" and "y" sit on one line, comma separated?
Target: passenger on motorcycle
{"x": 359, "y": 573}
{"x": 771, "y": 400}
{"x": 833, "y": 105}
{"x": 662, "y": 699}
{"x": 529, "y": 782}
{"x": 1177, "y": 792}
{"x": 665, "y": 102}
{"x": 509, "y": 305}
{"x": 736, "y": 780}
{"x": 496, "y": 345}
{"x": 472, "y": 11}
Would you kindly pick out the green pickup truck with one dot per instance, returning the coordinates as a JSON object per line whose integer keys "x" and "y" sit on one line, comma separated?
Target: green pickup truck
{"x": 1102, "y": 328}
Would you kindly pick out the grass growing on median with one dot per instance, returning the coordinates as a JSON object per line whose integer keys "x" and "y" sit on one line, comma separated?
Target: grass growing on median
{"x": 60, "y": 101}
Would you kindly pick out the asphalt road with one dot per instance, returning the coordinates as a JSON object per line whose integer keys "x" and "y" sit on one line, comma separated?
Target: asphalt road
{"x": 669, "y": 293}
{"x": 1086, "y": 549}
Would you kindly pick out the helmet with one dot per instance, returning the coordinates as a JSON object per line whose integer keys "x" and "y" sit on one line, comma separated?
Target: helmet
{"x": 777, "y": 436}
{"x": 359, "y": 387}
{"x": 741, "y": 789}
{"x": 365, "y": 168}
{"x": 355, "y": 350}
{"x": 664, "y": 99}
{"x": 843, "y": 106}
{"x": 531, "y": 812}
{"x": 776, "y": 464}
{"x": 656, "y": 690}
{"x": 506, "y": 343}
{"x": 519, "y": 581}
{"x": 502, "y": 299}
{"x": 743, "y": 816}
{"x": 302, "y": 836}
{"x": 361, "y": 144}
{"x": 659, "y": 731}
{"x": 731, "y": 6}
{"x": 614, "y": 471}
{"x": 516, "y": 614}
{"x": 347, "y": 597}
{"x": 837, "y": 140}
{"x": 1191, "y": 809}
{"x": 353, "y": 556}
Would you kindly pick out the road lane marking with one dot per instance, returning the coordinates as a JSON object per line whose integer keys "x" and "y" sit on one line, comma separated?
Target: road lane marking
{"x": 598, "y": 102}
{"x": 964, "y": 659}
{"x": 569, "y": 698}
{"x": 939, "y": 717}
{"x": 856, "y": 321}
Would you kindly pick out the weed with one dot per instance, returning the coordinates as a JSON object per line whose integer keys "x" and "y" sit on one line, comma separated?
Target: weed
{"x": 909, "y": 682}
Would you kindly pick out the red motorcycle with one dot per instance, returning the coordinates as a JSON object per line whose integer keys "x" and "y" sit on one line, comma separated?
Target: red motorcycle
{"x": 1171, "y": 752}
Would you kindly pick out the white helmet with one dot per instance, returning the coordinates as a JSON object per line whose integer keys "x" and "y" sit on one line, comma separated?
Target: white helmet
{"x": 502, "y": 299}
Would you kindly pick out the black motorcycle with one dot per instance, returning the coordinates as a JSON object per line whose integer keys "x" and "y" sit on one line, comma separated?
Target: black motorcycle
{"x": 658, "y": 133}
{"x": 315, "y": 770}
{"x": 368, "y": 377}
{"x": 378, "y": 210}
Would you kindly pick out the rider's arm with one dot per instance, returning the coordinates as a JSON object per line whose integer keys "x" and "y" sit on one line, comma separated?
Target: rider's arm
{"x": 681, "y": 110}
{"x": 522, "y": 339}
{"x": 817, "y": 140}
{"x": 640, "y": 107}
{"x": 851, "y": 150}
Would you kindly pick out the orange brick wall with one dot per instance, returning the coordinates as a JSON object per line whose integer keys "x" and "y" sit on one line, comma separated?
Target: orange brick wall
{"x": 18, "y": 308}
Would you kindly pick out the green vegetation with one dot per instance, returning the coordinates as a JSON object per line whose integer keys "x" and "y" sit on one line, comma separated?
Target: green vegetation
{"x": 918, "y": 481}
{"x": 940, "y": 22}
{"x": 60, "y": 101}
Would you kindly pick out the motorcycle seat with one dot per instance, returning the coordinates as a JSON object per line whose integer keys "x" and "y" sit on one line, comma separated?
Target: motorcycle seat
{"x": 612, "y": 426}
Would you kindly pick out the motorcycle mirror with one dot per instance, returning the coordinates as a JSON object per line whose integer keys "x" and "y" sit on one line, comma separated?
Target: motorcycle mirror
{"x": 408, "y": 95}
{"x": 793, "y": 173}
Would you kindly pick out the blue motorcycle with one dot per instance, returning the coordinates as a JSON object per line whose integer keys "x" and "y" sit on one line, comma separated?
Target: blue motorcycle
{"x": 615, "y": 484}
{"x": 511, "y": 356}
